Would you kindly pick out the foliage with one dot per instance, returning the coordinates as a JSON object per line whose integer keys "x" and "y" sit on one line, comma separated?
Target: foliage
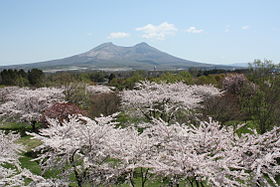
{"x": 104, "y": 104}
{"x": 62, "y": 79}
{"x": 98, "y": 77}
{"x": 261, "y": 71}
{"x": 81, "y": 94}
{"x": 263, "y": 104}
{"x": 12, "y": 77}
{"x": 228, "y": 107}
{"x": 77, "y": 94}
{"x": 209, "y": 79}
{"x": 182, "y": 76}
{"x": 35, "y": 77}
{"x": 127, "y": 83}
{"x": 224, "y": 108}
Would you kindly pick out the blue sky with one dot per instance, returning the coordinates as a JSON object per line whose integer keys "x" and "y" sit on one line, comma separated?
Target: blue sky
{"x": 211, "y": 31}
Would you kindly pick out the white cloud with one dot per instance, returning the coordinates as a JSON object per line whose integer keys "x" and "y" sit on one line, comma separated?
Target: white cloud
{"x": 245, "y": 27}
{"x": 194, "y": 30}
{"x": 115, "y": 35}
{"x": 158, "y": 32}
{"x": 227, "y": 29}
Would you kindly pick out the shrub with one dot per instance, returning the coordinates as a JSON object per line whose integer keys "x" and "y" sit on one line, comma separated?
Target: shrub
{"x": 61, "y": 112}
{"x": 104, "y": 103}
{"x": 225, "y": 108}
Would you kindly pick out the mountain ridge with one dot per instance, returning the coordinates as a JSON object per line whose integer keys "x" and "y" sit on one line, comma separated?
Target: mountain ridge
{"x": 141, "y": 56}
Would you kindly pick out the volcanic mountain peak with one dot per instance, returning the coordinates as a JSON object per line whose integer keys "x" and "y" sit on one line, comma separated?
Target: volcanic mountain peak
{"x": 109, "y": 50}
{"x": 108, "y": 55}
{"x": 142, "y": 44}
{"x": 104, "y": 45}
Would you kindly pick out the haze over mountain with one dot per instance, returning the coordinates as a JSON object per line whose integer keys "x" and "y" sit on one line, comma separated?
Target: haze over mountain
{"x": 243, "y": 65}
{"x": 108, "y": 56}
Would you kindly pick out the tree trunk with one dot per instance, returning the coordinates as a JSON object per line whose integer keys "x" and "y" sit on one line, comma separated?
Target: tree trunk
{"x": 33, "y": 125}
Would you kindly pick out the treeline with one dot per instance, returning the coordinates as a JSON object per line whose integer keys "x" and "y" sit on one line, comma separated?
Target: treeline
{"x": 121, "y": 80}
{"x": 191, "y": 76}
{"x": 14, "y": 77}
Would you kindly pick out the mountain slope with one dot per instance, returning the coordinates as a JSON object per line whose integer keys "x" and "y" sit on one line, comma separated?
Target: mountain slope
{"x": 109, "y": 56}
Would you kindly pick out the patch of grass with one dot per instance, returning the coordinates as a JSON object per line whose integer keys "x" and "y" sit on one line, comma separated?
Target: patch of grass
{"x": 18, "y": 127}
{"x": 29, "y": 143}
{"x": 54, "y": 173}
{"x": 14, "y": 126}
{"x": 28, "y": 155}
{"x": 34, "y": 167}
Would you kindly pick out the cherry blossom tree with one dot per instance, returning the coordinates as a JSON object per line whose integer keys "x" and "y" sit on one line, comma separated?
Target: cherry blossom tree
{"x": 261, "y": 154}
{"x": 210, "y": 154}
{"x": 25, "y": 104}
{"x": 233, "y": 83}
{"x": 200, "y": 155}
{"x": 4, "y": 93}
{"x": 238, "y": 84}
{"x": 9, "y": 156}
{"x": 80, "y": 146}
{"x": 163, "y": 100}
{"x": 132, "y": 150}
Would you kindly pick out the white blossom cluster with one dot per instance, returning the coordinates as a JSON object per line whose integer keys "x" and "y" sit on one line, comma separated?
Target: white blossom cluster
{"x": 9, "y": 155}
{"x": 150, "y": 97}
{"x": 96, "y": 89}
{"x": 206, "y": 154}
{"x": 14, "y": 175}
{"x": 81, "y": 143}
{"x": 26, "y": 104}
{"x": 203, "y": 154}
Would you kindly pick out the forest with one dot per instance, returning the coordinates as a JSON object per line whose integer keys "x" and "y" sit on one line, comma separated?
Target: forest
{"x": 195, "y": 128}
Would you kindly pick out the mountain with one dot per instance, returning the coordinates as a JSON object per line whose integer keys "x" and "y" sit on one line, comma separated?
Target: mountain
{"x": 108, "y": 56}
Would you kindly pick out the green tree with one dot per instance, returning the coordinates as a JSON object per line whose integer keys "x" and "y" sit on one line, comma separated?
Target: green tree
{"x": 7, "y": 77}
{"x": 22, "y": 78}
{"x": 98, "y": 76}
{"x": 263, "y": 104}
{"x": 182, "y": 76}
{"x": 36, "y": 77}
{"x": 128, "y": 83}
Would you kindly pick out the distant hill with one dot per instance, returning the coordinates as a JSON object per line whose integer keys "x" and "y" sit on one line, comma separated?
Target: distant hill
{"x": 108, "y": 56}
